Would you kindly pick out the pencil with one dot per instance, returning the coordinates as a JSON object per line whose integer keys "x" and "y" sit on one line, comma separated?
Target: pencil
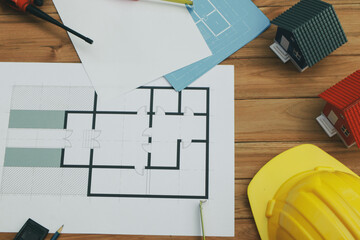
{"x": 188, "y": 2}
{"x": 57, "y": 234}
{"x": 202, "y": 219}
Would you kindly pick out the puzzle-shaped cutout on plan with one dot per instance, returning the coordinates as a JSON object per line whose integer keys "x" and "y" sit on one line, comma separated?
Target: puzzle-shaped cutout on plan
{"x": 153, "y": 145}
{"x": 207, "y": 14}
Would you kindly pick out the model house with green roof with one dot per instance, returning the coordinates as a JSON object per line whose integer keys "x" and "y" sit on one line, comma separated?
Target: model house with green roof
{"x": 307, "y": 32}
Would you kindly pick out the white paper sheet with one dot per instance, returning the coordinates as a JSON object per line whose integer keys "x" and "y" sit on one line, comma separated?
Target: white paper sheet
{"x": 135, "y": 42}
{"x": 137, "y": 165}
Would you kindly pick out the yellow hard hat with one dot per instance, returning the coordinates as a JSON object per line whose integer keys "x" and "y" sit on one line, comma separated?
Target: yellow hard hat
{"x": 304, "y": 193}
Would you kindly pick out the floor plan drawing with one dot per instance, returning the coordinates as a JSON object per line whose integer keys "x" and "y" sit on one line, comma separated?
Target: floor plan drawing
{"x": 226, "y": 26}
{"x": 211, "y": 17}
{"x": 143, "y": 148}
{"x": 136, "y": 164}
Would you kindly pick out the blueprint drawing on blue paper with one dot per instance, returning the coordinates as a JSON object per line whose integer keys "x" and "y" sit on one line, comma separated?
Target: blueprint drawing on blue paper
{"x": 226, "y": 26}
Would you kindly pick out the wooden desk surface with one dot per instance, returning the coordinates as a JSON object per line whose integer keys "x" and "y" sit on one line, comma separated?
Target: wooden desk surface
{"x": 275, "y": 105}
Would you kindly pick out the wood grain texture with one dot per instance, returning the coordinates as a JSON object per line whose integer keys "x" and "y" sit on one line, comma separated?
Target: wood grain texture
{"x": 24, "y": 38}
{"x": 270, "y": 78}
{"x": 278, "y": 120}
{"x": 250, "y": 157}
{"x": 275, "y": 105}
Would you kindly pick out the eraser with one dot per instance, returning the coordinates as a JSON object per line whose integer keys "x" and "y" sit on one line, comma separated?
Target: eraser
{"x": 32, "y": 231}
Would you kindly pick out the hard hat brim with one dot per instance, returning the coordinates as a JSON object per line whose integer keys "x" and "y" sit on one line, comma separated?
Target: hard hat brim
{"x": 278, "y": 170}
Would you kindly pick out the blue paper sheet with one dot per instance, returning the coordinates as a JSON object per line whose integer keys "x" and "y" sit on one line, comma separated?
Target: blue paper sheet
{"x": 226, "y": 25}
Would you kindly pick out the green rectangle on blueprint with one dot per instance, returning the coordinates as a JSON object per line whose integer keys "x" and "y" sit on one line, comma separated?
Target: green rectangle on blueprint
{"x": 32, "y": 157}
{"x": 36, "y": 119}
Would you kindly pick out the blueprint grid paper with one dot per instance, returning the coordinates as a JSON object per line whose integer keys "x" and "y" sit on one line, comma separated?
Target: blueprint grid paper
{"x": 139, "y": 164}
{"x": 227, "y": 26}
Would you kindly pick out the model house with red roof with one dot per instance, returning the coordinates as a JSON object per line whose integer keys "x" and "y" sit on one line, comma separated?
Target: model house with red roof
{"x": 341, "y": 114}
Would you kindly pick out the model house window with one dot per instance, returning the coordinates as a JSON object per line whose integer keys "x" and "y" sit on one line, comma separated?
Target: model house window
{"x": 332, "y": 117}
{"x": 345, "y": 131}
{"x": 297, "y": 54}
{"x": 284, "y": 43}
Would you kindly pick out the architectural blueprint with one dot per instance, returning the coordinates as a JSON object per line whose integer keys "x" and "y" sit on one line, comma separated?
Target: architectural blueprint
{"x": 156, "y": 136}
{"x": 227, "y": 26}
{"x": 126, "y": 166}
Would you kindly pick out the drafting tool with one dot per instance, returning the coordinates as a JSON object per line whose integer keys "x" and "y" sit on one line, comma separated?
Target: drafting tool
{"x": 202, "y": 219}
{"x": 57, "y": 234}
{"x": 28, "y": 6}
{"x": 188, "y": 2}
{"x": 180, "y": 1}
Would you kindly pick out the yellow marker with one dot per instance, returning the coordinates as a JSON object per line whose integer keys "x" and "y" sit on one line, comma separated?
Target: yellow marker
{"x": 188, "y": 2}
{"x": 202, "y": 220}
